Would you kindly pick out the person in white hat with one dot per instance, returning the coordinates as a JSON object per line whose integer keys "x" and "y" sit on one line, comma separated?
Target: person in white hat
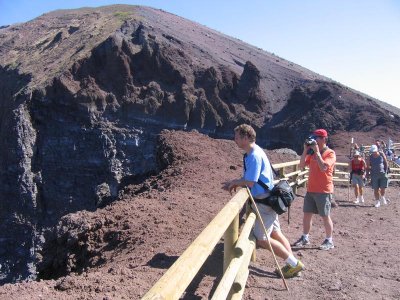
{"x": 357, "y": 175}
{"x": 377, "y": 167}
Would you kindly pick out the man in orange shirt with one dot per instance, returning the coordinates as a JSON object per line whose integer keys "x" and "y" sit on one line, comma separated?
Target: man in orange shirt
{"x": 321, "y": 162}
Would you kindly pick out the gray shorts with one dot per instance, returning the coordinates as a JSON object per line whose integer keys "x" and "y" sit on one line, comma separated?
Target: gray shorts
{"x": 317, "y": 203}
{"x": 379, "y": 181}
{"x": 270, "y": 219}
{"x": 357, "y": 180}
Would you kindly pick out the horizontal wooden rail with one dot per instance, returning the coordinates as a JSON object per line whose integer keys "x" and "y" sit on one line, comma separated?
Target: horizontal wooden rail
{"x": 300, "y": 182}
{"x": 293, "y": 173}
{"x": 175, "y": 281}
{"x": 341, "y": 173}
{"x": 286, "y": 164}
{"x": 340, "y": 180}
{"x": 303, "y": 172}
{"x": 341, "y": 164}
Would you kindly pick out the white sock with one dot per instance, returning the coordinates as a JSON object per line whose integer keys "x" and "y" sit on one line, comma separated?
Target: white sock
{"x": 329, "y": 239}
{"x": 306, "y": 236}
{"x": 292, "y": 261}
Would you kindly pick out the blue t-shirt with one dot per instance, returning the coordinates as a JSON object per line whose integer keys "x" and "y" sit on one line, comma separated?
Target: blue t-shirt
{"x": 257, "y": 166}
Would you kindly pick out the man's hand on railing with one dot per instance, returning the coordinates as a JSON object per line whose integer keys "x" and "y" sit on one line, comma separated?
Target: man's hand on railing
{"x": 232, "y": 185}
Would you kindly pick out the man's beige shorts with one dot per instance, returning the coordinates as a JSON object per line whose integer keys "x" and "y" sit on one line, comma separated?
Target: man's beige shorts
{"x": 317, "y": 203}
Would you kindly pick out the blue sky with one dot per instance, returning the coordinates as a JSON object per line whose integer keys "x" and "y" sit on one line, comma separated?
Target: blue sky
{"x": 355, "y": 42}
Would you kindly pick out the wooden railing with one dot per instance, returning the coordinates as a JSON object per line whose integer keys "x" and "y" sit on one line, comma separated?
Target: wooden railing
{"x": 174, "y": 282}
{"x": 238, "y": 249}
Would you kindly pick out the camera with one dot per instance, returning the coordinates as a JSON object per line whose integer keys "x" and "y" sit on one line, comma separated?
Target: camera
{"x": 310, "y": 141}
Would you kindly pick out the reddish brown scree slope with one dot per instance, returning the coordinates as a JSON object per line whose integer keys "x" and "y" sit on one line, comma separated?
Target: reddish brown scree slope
{"x": 130, "y": 244}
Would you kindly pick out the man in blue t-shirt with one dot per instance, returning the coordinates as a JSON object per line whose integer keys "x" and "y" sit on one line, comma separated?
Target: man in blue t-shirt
{"x": 257, "y": 167}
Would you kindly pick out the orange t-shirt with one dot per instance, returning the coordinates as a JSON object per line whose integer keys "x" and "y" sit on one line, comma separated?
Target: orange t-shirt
{"x": 321, "y": 181}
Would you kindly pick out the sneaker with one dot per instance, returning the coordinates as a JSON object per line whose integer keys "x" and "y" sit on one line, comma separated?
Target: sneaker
{"x": 377, "y": 203}
{"x": 357, "y": 201}
{"x": 383, "y": 199}
{"x": 326, "y": 245}
{"x": 361, "y": 199}
{"x": 289, "y": 272}
{"x": 302, "y": 241}
{"x": 298, "y": 274}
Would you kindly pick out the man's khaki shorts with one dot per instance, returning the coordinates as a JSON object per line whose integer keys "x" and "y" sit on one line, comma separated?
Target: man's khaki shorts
{"x": 270, "y": 219}
{"x": 317, "y": 203}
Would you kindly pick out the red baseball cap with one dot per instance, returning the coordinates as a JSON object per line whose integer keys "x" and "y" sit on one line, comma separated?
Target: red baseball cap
{"x": 320, "y": 132}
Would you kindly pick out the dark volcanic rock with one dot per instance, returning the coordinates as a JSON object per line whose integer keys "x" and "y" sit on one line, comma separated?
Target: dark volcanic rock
{"x": 84, "y": 94}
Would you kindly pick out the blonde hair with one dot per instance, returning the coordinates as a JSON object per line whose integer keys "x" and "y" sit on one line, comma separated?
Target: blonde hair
{"x": 245, "y": 130}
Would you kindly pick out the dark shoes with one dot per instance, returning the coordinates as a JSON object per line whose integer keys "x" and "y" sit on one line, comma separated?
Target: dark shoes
{"x": 302, "y": 241}
{"x": 326, "y": 245}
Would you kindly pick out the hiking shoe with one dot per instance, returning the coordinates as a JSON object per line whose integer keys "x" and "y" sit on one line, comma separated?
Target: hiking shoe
{"x": 377, "y": 203}
{"x": 326, "y": 245}
{"x": 289, "y": 272}
{"x": 302, "y": 241}
{"x": 298, "y": 274}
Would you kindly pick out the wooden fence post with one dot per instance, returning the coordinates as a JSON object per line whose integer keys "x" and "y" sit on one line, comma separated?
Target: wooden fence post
{"x": 282, "y": 173}
{"x": 296, "y": 168}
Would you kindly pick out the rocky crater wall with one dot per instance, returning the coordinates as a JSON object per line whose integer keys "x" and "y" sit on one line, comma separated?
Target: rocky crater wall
{"x": 72, "y": 139}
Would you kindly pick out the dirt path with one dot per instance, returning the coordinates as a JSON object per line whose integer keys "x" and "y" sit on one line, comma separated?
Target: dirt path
{"x": 120, "y": 251}
{"x": 363, "y": 264}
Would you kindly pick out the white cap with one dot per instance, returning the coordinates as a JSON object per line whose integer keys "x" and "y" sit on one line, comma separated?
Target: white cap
{"x": 374, "y": 148}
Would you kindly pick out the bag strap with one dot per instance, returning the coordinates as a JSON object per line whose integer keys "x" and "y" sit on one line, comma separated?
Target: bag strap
{"x": 263, "y": 184}
{"x": 259, "y": 180}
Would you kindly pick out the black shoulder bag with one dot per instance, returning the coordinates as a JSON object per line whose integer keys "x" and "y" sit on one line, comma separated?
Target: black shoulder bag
{"x": 281, "y": 196}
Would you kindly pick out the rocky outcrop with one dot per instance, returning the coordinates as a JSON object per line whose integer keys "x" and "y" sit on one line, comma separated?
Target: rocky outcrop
{"x": 84, "y": 94}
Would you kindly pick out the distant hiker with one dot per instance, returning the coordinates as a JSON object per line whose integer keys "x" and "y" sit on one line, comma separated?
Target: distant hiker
{"x": 257, "y": 167}
{"x": 321, "y": 162}
{"x": 383, "y": 146}
{"x": 377, "y": 168}
{"x": 355, "y": 148}
{"x": 378, "y": 144}
{"x": 389, "y": 154}
{"x": 357, "y": 168}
